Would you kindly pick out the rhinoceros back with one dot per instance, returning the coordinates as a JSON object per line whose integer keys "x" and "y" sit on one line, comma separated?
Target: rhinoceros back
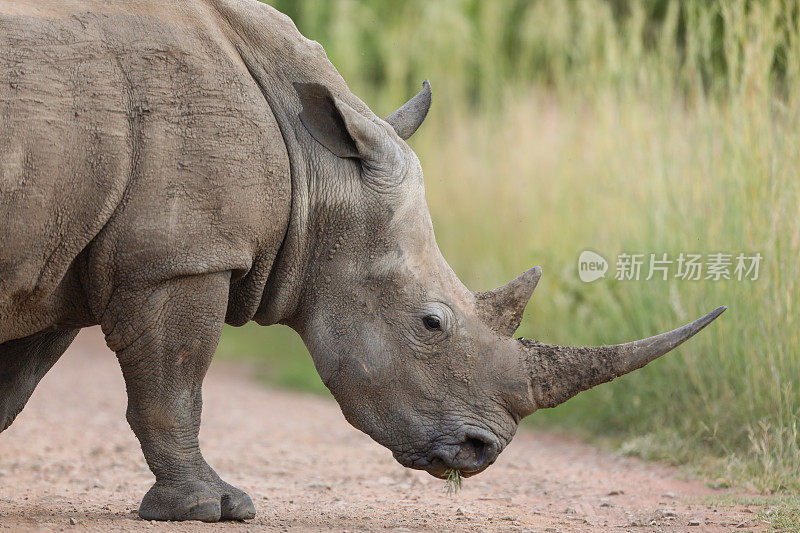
{"x": 133, "y": 142}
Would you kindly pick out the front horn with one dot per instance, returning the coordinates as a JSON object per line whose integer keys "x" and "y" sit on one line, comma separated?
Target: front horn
{"x": 557, "y": 373}
{"x": 409, "y": 117}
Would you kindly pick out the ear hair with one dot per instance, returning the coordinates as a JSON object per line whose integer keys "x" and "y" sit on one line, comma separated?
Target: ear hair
{"x": 349, "y": 134}
{"x": 323, "y": 120}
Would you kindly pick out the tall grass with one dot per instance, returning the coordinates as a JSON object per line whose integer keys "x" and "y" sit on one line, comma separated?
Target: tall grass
{"x": 639, "y": 127}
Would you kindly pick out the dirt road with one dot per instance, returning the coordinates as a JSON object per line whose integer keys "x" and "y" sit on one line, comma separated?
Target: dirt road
{"x": 71, "y": 463}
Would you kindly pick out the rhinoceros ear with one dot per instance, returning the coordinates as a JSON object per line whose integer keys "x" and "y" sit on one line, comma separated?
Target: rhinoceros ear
{"x": 340, "y": 128}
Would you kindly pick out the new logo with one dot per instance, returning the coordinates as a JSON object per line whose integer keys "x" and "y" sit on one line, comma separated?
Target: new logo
{"x": 591, "y": 266}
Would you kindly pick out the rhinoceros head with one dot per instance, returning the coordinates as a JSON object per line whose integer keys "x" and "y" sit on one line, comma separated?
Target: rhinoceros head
{"x": 416, "y": 360}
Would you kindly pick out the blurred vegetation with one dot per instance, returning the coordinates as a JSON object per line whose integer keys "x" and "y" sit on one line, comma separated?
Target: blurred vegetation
{"x": 640, "y": 127}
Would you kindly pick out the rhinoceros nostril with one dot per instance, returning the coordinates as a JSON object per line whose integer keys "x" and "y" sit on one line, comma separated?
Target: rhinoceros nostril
{"x": 478, "y": 449}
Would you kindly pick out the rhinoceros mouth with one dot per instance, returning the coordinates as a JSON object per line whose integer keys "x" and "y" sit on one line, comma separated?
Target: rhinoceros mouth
{"x": 438, "y": 468}
{"x": 470, "y": 454}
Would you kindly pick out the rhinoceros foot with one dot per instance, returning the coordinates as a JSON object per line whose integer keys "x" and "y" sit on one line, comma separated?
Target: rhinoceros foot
{"x": 199, "y": 500}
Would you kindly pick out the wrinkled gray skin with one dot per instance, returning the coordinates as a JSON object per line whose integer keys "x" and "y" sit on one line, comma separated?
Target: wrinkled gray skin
{"x": 166, "y": 167}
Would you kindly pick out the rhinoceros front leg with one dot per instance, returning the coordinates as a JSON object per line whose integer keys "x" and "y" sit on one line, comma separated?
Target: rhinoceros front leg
{"x": 23, "y": 363}
{"x": 164, "y": 337}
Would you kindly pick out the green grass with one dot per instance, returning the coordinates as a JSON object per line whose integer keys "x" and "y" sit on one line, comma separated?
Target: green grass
{"x": 637, "y": 177}
{"x": 647, "y": 127}
{"x": 276, "y": 354}
{"x": 452, "y": 482}
{"x": 782, "y": 512}
{"x": 783, "y": 517}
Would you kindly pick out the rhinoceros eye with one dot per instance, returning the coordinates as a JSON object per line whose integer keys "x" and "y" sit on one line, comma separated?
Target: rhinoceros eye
{"x": 432, "y": 322}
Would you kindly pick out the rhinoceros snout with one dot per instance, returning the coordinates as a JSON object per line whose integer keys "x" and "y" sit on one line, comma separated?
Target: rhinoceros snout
{"x": 476, "y": 452}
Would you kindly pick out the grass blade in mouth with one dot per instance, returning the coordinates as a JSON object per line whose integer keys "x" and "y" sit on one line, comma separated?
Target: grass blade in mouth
{"x": 452, "y": 482}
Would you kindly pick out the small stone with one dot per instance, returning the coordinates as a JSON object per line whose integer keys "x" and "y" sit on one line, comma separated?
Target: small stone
{"x": 606, "y": 504}
{"x": 615, "y": 493}
{"x": 570, "y": 510}
{"x": 694, "y": 522}
{"x": 72, "y": 521}
{"x": 670, "y": 495}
